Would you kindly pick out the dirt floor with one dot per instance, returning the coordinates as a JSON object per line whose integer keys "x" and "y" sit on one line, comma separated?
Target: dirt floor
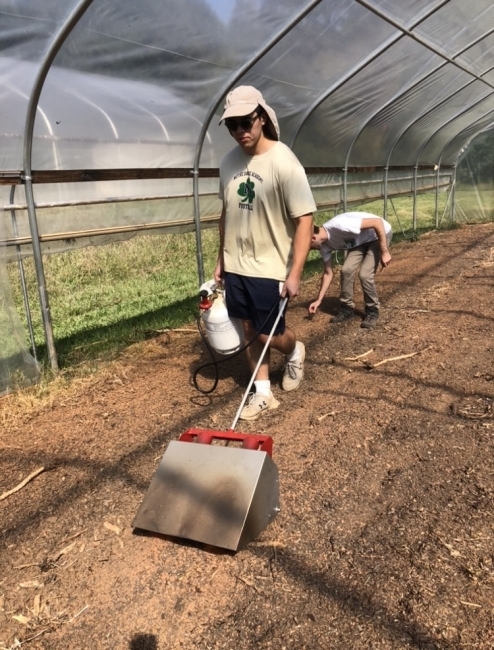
{"x": 385, "y": 538}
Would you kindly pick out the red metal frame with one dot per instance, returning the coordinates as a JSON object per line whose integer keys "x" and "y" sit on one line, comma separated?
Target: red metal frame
{"x": 248, "y": 440}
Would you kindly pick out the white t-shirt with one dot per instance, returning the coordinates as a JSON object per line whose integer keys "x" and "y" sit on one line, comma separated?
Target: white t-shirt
{"x": 344, "y": 232}
{"x": 262, "y": 196}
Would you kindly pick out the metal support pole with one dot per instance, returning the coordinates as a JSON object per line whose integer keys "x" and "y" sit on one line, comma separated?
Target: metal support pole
{"x": 424, "y": 144}
{"x": 386, "y": 46}
{"x": 27, "y": 173}
{"x": 397, "y": 218}
{"x": 385, "y": 211}
{"x": 446, "y": 206}
{"x": 438, "y": 167}
{"x": 414, "y": 211}
{"x": 464, "y": 144}
{"x": 22, "y": 276}
{"x": 453, "y": 205}
{"x": 426, "y": 43}
{"x": 345, "y": 189}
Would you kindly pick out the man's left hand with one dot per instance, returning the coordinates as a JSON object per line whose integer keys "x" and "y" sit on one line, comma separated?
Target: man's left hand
{"x": 385, "y": 259}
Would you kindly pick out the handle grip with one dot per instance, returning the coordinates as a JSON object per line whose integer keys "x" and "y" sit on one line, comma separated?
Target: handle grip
{"x": 249, "y": 440}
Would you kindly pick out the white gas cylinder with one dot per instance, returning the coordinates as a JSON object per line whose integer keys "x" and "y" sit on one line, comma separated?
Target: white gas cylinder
{"x": 224, "y": 333}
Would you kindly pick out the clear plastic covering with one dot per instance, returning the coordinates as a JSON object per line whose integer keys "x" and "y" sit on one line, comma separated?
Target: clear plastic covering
{"x": 131, "y": 86}
{"x": 17, "y": 366}
{"x": 474, "y": 189}
{"x": 367, "y": 86}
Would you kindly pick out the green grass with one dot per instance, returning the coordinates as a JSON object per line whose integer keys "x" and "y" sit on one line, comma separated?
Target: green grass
{"x": 105, "y": 298}
{"x": 475, "y": 204}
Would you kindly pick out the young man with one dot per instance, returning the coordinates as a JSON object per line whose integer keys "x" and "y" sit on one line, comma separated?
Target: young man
{"x": 366, "y": 238}
{"x": 265, "y": 233}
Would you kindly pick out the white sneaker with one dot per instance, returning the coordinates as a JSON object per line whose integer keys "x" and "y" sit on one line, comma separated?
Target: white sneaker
{"x": 294, "y": 370}
{"x": 256, "y": 404}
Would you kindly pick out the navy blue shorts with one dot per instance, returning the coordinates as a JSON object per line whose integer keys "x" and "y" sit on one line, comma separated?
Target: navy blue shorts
{"x": 253, "y": 299}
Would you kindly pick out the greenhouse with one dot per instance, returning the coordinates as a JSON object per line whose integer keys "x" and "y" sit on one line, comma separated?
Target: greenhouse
{"x": 356, "y": 512}
{"x": 110, "y": 114}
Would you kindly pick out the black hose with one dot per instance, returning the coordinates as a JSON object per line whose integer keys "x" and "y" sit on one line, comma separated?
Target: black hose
{"x": 216, "y": 362}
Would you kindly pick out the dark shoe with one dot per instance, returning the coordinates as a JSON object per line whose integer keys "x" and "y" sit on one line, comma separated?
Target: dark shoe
{"x": 371, "y": 318}
{"x": 343, "y": 315}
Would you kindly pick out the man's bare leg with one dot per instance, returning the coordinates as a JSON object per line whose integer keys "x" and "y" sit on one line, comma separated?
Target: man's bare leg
{"x": 284, "y": 343}
{"x": 262, "y": 399}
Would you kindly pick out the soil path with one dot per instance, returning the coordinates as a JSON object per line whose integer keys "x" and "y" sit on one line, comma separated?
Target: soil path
{"x": 385, "y": 535}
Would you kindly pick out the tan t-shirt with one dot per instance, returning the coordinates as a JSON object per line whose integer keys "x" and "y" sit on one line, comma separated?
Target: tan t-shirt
{"x": 262, "y": 196}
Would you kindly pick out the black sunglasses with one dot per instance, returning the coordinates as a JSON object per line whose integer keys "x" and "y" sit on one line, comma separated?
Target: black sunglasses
{"x": 245, "y": 123}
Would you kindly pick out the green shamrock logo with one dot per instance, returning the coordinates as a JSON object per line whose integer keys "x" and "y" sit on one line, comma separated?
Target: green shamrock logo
{"x": 247, "y": 191}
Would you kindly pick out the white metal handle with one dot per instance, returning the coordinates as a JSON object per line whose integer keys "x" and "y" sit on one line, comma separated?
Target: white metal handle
{"x": 283, "y": 302}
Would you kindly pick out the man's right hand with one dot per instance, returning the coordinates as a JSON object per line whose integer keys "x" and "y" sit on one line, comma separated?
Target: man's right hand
{"x": 218, "y": 272}
{"x": 313, "y": 306}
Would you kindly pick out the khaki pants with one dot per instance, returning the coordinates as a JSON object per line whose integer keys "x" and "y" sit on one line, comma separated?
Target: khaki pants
{"x": 367, "y": 257}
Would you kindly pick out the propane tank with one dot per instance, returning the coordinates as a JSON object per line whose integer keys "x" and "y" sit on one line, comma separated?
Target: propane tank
{"x": 225, "y": 334}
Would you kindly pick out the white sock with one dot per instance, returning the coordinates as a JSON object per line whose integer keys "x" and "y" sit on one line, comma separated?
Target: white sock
{"x": 294, "y": 355}
{"x": 263, "y": 387}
